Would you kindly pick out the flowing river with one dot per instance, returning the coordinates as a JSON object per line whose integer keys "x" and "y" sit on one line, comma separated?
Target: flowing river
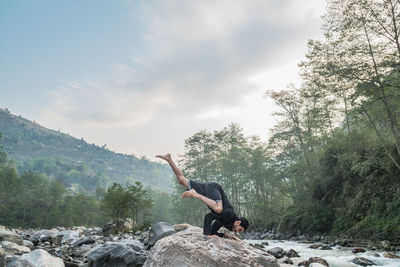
{"x": 337, "y": 257}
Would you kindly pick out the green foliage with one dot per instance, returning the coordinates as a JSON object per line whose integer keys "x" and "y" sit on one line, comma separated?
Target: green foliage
{"x": 31, "y": 200}
{"x": 163, "y": 208}
{"x": 241, "y": 165}
{"x": 127, "y": 202}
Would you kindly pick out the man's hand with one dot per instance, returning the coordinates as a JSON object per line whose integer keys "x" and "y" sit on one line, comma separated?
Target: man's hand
{"x": 212, "y": 236}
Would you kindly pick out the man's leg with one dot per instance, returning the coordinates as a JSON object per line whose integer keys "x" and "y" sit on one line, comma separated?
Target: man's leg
{"x": 178, "y": 173}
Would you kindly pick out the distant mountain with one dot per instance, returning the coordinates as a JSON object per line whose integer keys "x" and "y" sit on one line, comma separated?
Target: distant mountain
{"x": 73, "y": 161}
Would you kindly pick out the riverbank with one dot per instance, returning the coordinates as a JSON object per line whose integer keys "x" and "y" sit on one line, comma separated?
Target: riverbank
{"x": 335, "y": 256}
{"x": 374, "y": 243}
{"x": 170, "y": 245}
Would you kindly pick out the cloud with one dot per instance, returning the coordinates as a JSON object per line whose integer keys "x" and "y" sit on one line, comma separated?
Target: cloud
{"x": 194, "y": 71}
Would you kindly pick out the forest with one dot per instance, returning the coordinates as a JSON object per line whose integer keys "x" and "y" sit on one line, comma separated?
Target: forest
{"x": 331, "y": 164}
{"x": 72, "y": 161}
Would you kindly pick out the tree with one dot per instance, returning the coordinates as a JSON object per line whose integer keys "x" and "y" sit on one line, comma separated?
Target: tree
{"x": 355, "y": 61}
{"x": 123, "y": 202}
{"x": 116, "y": 202}
{"x": 139, "y": 200}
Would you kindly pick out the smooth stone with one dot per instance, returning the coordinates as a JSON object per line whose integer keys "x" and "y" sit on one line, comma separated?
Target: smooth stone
{"x": 159, "y": 231}
{"x": 363, "y": 261}
{"x": 13, "y": 248}
{"x": 277, "y": 252}
{"x": 28, "y": 244}
{"x": 358, "y": 250}
{"x": 390, "y": 255}
{"x": 292, "y": 254}
{"x": 11, "y": 237}
{"x": 14, "y": 261}
{"x": 115, "y": 254}
{"x": 41, "y": 258}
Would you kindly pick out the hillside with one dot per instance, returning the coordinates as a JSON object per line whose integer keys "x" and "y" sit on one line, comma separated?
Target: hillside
{"x": 73, "y": 161}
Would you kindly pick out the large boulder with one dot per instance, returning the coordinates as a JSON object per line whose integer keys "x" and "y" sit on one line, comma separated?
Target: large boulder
{"x": 10, "y": 236}
{"x": 41, "y": 258}
{"x": 160, "y": 230}
{"x": 191, "y": 248}
{"x": 277, "y": 252}
{"x": 116, "y": 254}
{"x": 14, "y": 261}
{"x": 13, "y": 248}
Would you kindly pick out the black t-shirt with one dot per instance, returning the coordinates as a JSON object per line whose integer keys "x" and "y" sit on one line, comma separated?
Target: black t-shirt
{"x": 215, "y": 192}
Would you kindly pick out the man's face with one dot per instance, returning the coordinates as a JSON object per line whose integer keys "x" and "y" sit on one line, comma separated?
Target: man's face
{"x": 237, "y": 227}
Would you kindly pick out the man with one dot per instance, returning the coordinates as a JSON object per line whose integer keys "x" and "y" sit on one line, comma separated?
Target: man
{"x": 214, "y": 197}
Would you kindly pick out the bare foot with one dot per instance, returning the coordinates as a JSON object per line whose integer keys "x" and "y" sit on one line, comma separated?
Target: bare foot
{"x": 189, "y": 193}
{"x": 166, "y": 157}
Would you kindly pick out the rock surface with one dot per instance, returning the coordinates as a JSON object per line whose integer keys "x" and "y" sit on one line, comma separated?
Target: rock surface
{"x": 277, "y": 252}
{"x": 10, "y": 236}
{"x": 191, "y": 248}
{"x": 116, "y": 254}
{"x": 358, "y": 250}
{"x": 160, "y": 230}
{"x": 41, "y": 258}
{"x": 363, "y": 261}
{"x": 313, "y": 261}
{"x": 390, "y": 255}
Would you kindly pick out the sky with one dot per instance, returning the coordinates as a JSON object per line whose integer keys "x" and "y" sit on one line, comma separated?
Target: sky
{"x": 142, "y": 76}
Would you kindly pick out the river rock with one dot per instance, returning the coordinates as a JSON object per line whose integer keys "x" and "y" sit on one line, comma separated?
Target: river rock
{"x": 192, "y": 248}
{"x": 265, "y": 243}
{"x": 45, "y": 236}
{"x": 13, "y": 248}
{"x": 10, "y": 236}
{"x": 390, "y": 255}
{"x": 34, "y": 239}
{"x": 292, "y": 254}
{"x": 314, "y": 260}
{"x": 83, "y": 240}
{"x": 358, "y": 250}
{"x": 385, "y": 244}
{"x": 158, "y": 231}
{"x": 81, "y": 250}
{"x": 134, "y": 244}
{"x": 362, "y": 261}
{"x": 14, "y": 261}
{"x": 285, "y": 260}
{"x": 115, "y": 254}
{"x": 28, "y": 244}
{"x": 2, "y": 257}
{"x": 41, "y": 258}
{"x": 67, "y": 236}
{"x": 277, "y": 252}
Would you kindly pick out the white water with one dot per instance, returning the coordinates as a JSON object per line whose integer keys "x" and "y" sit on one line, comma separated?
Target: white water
{"x": 337, "y": 257}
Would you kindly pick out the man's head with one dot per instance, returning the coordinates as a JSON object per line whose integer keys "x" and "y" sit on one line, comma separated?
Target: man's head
{"x": 240, "y": 225}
